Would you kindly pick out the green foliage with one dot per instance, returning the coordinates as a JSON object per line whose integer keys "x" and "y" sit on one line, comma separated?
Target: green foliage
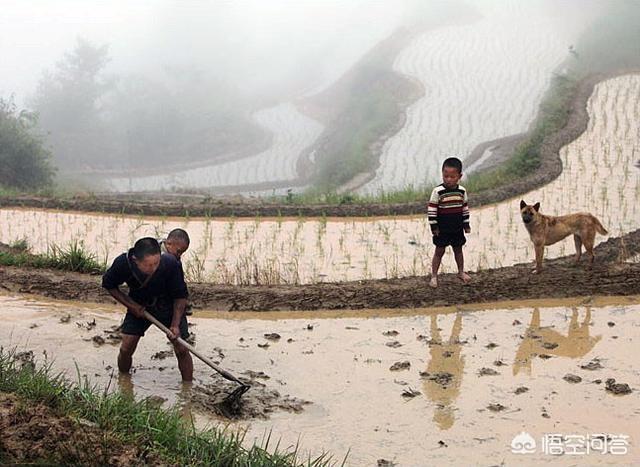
{"x": 73, "y": 258}
{"x": 24, "y": 161}
{"x": 371, "y": 110}
{"x": 143, "y": 423}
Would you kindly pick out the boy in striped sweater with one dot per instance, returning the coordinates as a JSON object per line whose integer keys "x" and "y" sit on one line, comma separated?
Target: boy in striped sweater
{"x": 448, "y": 215}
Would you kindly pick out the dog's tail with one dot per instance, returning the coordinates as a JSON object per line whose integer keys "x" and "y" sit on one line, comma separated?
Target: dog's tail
{"x": 600, "y": 229}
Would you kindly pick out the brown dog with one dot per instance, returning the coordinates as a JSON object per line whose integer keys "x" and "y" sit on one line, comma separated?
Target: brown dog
{"x": 547, "y": 230}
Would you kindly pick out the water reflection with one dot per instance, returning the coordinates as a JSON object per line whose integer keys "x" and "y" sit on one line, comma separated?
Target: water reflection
{"x": 445, "y": 369}
{"x": 544, "y": 340}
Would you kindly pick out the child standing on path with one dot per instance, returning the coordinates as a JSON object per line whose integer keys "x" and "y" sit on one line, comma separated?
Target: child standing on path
{"x": 448, "y": 215}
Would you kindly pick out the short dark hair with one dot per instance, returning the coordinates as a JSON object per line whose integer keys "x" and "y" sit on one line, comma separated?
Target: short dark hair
{"x": 146, "y": 246}
{"x": 179, "y": 235}
{"x": 454, "y": 163}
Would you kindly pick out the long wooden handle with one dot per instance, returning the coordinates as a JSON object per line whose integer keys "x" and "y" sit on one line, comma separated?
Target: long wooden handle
{"x": 193, "y": 350}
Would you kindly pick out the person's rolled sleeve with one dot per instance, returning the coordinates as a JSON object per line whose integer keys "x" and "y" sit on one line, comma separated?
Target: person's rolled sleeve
{"x": 116, "y": 274}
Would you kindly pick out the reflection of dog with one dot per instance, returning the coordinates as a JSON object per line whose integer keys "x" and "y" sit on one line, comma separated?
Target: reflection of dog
{"x": 544, "y": 340}
{"x": 547, "y": 230}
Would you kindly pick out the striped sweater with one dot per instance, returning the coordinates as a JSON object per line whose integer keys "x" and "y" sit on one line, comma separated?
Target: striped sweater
{"x": 447, "y": 209}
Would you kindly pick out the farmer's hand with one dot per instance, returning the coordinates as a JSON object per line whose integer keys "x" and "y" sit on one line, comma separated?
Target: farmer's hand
{"x": 174, "y": 333}
{"x": 137, "y": 310}
{"x": 467, "y": 230}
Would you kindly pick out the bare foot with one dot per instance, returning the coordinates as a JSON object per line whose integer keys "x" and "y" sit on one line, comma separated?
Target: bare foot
{"x": 434, "y": 281}
{"x": 464, "y": 277}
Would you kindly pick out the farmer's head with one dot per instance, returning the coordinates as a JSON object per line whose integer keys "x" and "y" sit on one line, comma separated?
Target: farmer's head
{"x": 146, "y": 255}
{"x": 451, "y": 171}
{"x": 177, "y": 242}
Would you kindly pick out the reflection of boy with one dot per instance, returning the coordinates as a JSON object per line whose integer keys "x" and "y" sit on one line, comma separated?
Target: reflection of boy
{"x": 448, "y": 214}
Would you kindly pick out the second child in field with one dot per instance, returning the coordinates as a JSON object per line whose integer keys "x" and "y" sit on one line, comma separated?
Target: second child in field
{"x": 176, "y": 244}
{"x": 448, "y": 214}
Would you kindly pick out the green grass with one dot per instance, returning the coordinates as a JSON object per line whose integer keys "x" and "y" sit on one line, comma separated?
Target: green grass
{"x": 141, "y": 423}
{"x": 73, "y": 258}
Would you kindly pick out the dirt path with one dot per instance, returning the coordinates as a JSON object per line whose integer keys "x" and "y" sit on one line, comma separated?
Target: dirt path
{"x": 611, "y": 275}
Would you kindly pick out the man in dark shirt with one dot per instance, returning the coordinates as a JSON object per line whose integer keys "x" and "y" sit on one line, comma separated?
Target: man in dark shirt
{"x": 156, "y": 284}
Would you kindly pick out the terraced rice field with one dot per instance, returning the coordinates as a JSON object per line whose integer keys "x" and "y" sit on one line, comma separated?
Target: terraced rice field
{"x": 482, "y": 81}
{"x": 599, "y": 176}
{"x": 292, "y": 133}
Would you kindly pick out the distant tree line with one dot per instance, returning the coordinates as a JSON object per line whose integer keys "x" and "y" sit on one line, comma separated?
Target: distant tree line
{"x": 96, "y": 120}
{"x": 25, "y": 163}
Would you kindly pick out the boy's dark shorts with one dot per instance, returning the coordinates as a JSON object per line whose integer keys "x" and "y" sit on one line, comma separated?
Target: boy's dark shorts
{"x": 454, "y": 239}
{"x": 137, "y": 326}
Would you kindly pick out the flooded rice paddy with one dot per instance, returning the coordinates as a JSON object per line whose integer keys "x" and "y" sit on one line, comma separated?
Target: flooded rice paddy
{"x": 483, "y": 80}
{"x": 599, "y": 176}
{"x": 433, "y": 386}
{"x": 292, "y": 133}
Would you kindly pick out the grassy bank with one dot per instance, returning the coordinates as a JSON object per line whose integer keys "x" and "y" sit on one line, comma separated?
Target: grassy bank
{"x": 74, "y": 257}
{"x": 162, "y": 434}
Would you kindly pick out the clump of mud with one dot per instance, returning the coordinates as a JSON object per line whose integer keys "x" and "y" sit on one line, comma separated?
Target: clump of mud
{"x": 398, "y": 366}
{"x": 385, "y": 463}
{"x": 592, "y": 365}
{"x": 444, "y": 379}
{"x": 162, "y": 355}
{"x": 617, "y": 388}
{"x": 259, "y": 401}
{"x": 571, "y": 378}
{"x": 497, "y": 407}
{"x": 35, "y": 434}
{"x": 487, "y": 372}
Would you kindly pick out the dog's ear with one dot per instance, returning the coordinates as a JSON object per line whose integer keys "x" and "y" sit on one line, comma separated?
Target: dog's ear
{"x": 522, "y": 204}
{"x": 536, "y": 207}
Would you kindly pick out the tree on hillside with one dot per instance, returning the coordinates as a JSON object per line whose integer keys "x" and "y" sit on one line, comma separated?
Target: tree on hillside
{"x": 68, "y": 101}
{"x": 25, "y": 163}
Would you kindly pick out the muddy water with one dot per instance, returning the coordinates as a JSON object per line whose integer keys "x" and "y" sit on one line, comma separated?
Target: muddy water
{"x": 465, "y": 364}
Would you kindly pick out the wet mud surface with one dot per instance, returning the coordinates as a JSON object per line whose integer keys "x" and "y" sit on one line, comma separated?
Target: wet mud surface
{"x": 611, "y": 275}
{"x": 259, "y": 402}
{"x": 459, "y": 385}
{"x": 34, "y": 433}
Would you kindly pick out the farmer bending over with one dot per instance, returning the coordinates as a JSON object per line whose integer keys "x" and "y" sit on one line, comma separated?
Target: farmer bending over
{"x": 156, "y": 284}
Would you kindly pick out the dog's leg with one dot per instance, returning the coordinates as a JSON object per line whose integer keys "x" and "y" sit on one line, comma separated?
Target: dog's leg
{"x": 578, "y": 242}
{"x": 539, "y": 255}
{"x": 588, "y": 245}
